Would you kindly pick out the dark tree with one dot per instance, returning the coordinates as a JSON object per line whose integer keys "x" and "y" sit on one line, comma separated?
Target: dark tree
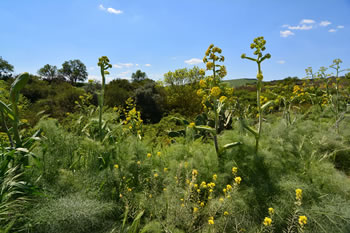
{"x": 74, "y": 70}
{"x": 138, "y": 76}
{"x": 5, "y": 68}
{"x": 48, "y": 71}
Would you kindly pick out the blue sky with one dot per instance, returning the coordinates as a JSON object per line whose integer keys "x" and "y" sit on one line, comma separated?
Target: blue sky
{"x": 161, "y": 35}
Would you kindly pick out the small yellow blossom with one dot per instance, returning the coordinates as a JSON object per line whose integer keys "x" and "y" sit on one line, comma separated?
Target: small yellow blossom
{"x": 224, "y": 190}
{"x": 215, "y": 177}
{"x": 195, "y": 210}
{"x": 238, "y": 180}
{"x": 211, "y": 221}
{"x": 165, "y": 169}
{"x": 164, "y": 189}
{"x": 298, "y": 194}
{"x": 149, "y": 155}
{"x": 267, "y": 221}
{"x": 187, "y": 181}
{"x": 155, "y": 175}
{"x": 226, "y": 213}
{"x": 116, "y": 166}
{"x": 271, "y": 211}
{"x": 138, "y": 162}
{"x": 202, "y": 83}
{"x": 202, "y": 204}
{"x": 191, "y": 125}
{"x": 196, "y": 185}
{"x": 234, "y": 170}
{"x": 198, "y": 190}
{"x": 221, "y": 199}
{"x": 194, "y": 172}
{"x": 222, "y": 98}
{"x": 150, "y": 196}
{"x": 203, "y": 183}
{"x": 182, "y": 205}
{"x": 228, "y": 187}
{"x": 302, "y": 220}
{"x": 210, "y": 190}
{"x": 129, "y": 189}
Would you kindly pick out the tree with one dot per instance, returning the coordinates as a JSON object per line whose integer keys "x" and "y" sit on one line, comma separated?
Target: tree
{"x": 74, "y": 70}
{"x": 138, "y": 76}
{"x": 48, "y": 71}
{"x": 184, "y": 76}
{"x": 5, "y": 68}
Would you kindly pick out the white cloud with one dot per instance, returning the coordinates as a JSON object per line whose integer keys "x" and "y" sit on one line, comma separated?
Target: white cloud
{"x": 325, "y": 23}
{"x": 124, "y": 74}
{"x": 300, "y": 27}
{"x": 285, "y": 25}
{"x": 110, "y": 10}
{"x": 281, "y": 61}
{"x": 332, "y": 30}
{"x": 114, "y": 11}
{"x": 136, "y": 65}
{"x": 286, "y": 33}
{"x": 193, "y": 61}
{"x": 148, "y": 65}
{"x": 307, "y": 21}
{"x": 340, "y": 26}
{"x": 123, "y": 65}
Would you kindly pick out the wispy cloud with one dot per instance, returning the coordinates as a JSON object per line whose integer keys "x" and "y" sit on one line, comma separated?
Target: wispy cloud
{"x": 193, "y": 61}
{"x": 307, "y": 21}
{"x": 123, "y": 65}
{"x": 281, "y": 61}
{"x": 325, "y": 23}
{"x": 124, "y": 74}
{"x": 148, "y": 65}
{"x": 300, "y": 27}
{"x": 340, "y": 26}
{"x": 332, "y": 30}
{"x": 286, "y": 33}
{"x": 110, "y": 10}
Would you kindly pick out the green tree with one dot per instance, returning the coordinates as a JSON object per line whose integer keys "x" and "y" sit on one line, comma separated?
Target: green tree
{"x": 48, "y": 71}
{"x": 74, "y": 70}
{"x": 183, "y": 76}
{"x": 138, "y": 76}
{"x": 5, "y": 68}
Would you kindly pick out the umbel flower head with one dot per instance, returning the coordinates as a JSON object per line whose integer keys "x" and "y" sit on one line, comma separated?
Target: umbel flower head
{"x": 211, "y": 58}
{"x": 103, "y": 62}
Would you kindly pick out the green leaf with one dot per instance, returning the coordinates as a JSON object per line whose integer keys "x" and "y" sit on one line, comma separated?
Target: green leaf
{"x": 206, "y": 128}
{"x": 233, "y": 144}
{"x": 6, "y": 110}
{"x": 267, "y": 104}
{"x": 17, "y": 85}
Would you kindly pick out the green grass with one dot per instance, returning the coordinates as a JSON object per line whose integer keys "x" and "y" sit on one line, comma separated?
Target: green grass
{"x": 239, "y": 82}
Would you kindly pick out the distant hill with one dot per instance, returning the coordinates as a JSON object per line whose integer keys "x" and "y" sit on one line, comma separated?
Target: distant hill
{"x": 239, "y": 82}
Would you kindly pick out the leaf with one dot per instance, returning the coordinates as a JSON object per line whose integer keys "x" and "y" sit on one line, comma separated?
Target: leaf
{"x": 267, "y": 104}
{"x": 6, "y": 110}
{"x": 136, "y": 223}
{"x": 233, "y": 144}
{"x": 206, "y": 128}
{"x": 17, "y": 85}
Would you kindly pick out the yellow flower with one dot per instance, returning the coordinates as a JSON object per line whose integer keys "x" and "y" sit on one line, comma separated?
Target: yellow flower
{"x": 130, "y": 127}
{"x": 155, "y": 175}
{"x": 164, "y": 189}
{"x": 194, "y": 172}
{"x": 209, "y": 65}
{"x": 150, "y": 196}
{"x": 203, "y": 183}
{"x": 187, "y": 181}
{"x": 202, "y": 204}
{"x": 221, "y": 199}
{"x": 191, "y": 125}
{"x": 222, "y": 98}
{"x": 116, "y": 166}
{"x": 129, "y": 189}
{"x": 298, "y": 194}
{"x": 228, "y": 187}
{"x": 215, "y": 177}
{"x": 226, "y": 213}
{"x": 224, "y": 190}
{"x": 211, "y": 221}
{"x": 202, "y": 83}
{"x": 234, "y": 170}
{"x": 149, "y": 155}
{"x": 211, "y": 185}
{"x": 267, "y": 221}
{"x": 115, "y": 109}
{"x": 302, "y": 220}
{"x": 159, "y": 154}
{"x": 215, "y": 91}
{"x": 24, "y": 121}
{"x": 196, "y": 185}
{"x": 165, "y": 169}
{"x": 271, "y": 211}
{"x": 182, "y": 205}
{"x": 199, "y": 92}
{"x": 195, "y": 210}
{"x": 198, "y": 190}
{"x": 210, "y": 190}
{"x": 138, "y": 162}
{"x": 238, "y": 180}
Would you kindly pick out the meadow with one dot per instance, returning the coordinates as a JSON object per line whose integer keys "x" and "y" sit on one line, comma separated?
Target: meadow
{"x": 193, "y": 153}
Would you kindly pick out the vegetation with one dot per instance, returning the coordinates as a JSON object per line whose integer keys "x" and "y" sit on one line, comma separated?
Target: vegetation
{"x": 175, "y": 156}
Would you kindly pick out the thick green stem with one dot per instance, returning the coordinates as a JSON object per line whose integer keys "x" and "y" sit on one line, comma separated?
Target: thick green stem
{"x": 216, "y": 144}
{"x": 258, "y": 91}
{"x": 101, "y": 100}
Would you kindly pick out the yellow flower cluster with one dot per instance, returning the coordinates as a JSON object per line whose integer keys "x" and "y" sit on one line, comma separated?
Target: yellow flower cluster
{"x": 267, "y": 221}
{"x": 222, "y": 99}
{"x": 215, "y": 91}
{"x": 191, "y": 125}
{"x": 271, "y": 211}
{"x": 238, "y": 180}
{"x": 211, "y": 221}
{"x": 302, "y": 220}
{"x": 298, "y": 194}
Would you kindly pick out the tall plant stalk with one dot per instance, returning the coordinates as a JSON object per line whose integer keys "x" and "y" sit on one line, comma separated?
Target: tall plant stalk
{"x": 259, "y": 46}
{"x": 103, "y": 63}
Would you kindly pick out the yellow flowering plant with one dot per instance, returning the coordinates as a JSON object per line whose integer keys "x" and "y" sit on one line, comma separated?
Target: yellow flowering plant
{"x": 259, "y": 46}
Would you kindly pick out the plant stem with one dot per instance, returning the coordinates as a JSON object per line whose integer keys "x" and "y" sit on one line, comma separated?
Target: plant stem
{"x": 101, "y": 103}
